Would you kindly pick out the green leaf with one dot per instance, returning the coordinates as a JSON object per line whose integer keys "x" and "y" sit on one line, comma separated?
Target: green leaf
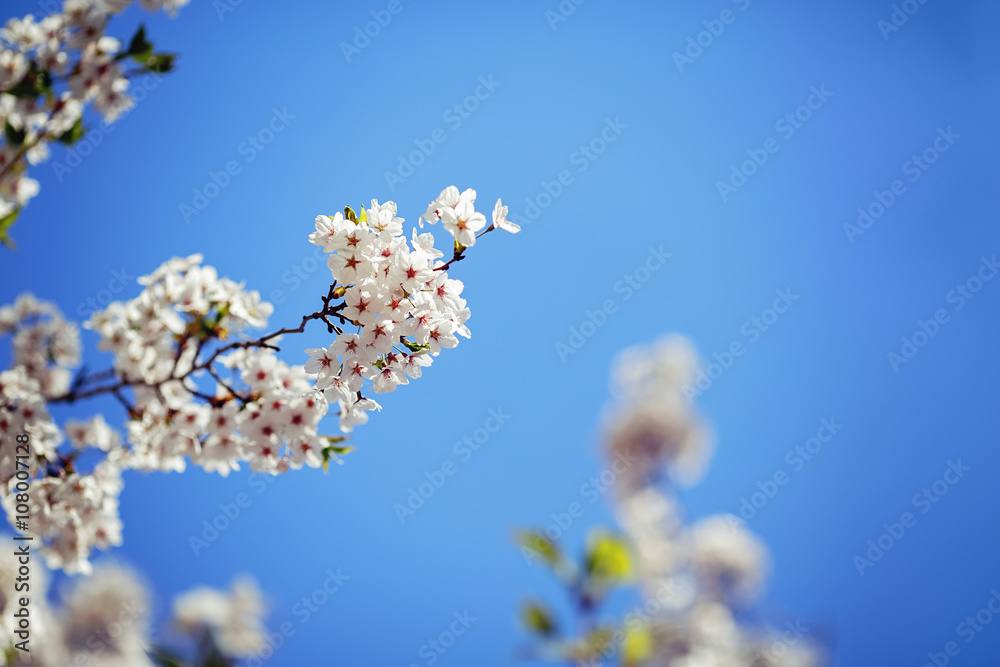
{"x": 350, "y": 215}
{"x": 539, "y": 545}
{"x": 537, "y": 618}
{"x": 364, "y": 215}
{"x": 5, "y": 224}
{"x": 14, "y": 136}
{"x": 413, "y": 347}
{"x": 73, "y": 134}
{"x": 160, "y": 63}
{"x": 36, "y": 82}
{"x": 140, "y": 49}
{"x": 608, "y": 558}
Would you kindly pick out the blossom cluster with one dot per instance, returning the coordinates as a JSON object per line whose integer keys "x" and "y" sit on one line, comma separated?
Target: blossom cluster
{"x": 46, "y": 346}
{"x": 397, "y": 293}
{"x": 198, "y": 389}
{"x": 697, "y": 578}
{"x": 73, "y": 512}
{"x": 50, "y": 69}
{"x": 106, "y": 620}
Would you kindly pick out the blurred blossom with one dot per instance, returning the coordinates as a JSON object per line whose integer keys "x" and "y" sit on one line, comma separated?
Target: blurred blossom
{"x": 652, "y": 421}
{"x": 695, "y": 577}
{"x": 234, "y": 619}
{"x": 106, "y": 618}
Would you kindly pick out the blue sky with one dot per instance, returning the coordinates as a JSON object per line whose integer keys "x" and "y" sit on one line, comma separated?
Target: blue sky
{"x": 679, "y": 128}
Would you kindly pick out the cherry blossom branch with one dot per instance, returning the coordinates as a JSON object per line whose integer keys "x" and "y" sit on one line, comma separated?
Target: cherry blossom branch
{"x": 208, "y": 365}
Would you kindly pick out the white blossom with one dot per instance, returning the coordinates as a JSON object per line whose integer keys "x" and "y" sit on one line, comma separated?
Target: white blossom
{"x": 234, "y": 620}
{"x": 195, "y": 386}
{"x": 106, "y": 620}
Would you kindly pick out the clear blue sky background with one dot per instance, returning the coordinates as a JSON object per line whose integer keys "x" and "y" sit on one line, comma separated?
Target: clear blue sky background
{"x": 826, "y": 357}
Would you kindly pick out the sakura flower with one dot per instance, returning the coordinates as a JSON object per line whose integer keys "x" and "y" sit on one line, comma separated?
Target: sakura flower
{"x": 323, "y": 364}
{"x": 306, "y": 450}
{"x": 378, "y": 337}
{"x": 221, "y": 453}
{"x": 332, "y": 233}
{"x": 24, "y": 33}
{"x": 356, "y": 413}
{"x": 383, "y": 219}
{"x": 463, "y": 222}
{"x": 414, "y": 364}
{"x": 350, "y": 266}
{"x": 354, "y": 373}
{"x": 363, "y": 303}
{"x": 500, "y": 219}
{"x": 442, "y": 336}
{"x": 387, "y": 377}
{"x": 425, "y": 242}
{"x": 346, "y": 345}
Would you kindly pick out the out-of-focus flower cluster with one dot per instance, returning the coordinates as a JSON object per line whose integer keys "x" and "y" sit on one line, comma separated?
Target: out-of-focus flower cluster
{"x": 198, "y": 389}
{"x": 106, "y": 620}
{"x": 74, "y": 512}
{"x": 46, "y": 347}
{"x": 49, "y": 71}
{"x": 695, "y": 579}
{"x": 232, "y": 620}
